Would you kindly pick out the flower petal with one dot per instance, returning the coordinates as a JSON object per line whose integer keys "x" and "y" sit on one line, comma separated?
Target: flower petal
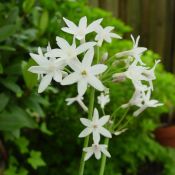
{"x": 67, "y": 30}
{"x": 104, "y": 151}
{"x": 82, "y": 87}
{"x": 45, "y": 82}
{"x": 103, "y": 120}
{"x": 41, "y": 60}
{"x": 85, "y": 122}
{"x": 83, "y": 22}
{"x": 62, "y": 43}
{"x": 96, "y": 137}
{"x": 85, "y": 132}
{"x": 88, "y": 154}
{"x": 98, "y": 69}
{"x": 95, "y": 116}
{"x": 70, "y": 79}
{"x": 57, "y": 76}
{"x": 94, "y": 25}
{"x": 96, "y": 83}
{"x": 37, "y": 69}
{"x": 97, "y": 154}
{"x": 54, "y": 53}
{"x": 70, "y": 24}
{"x": 88, "y": 58}
{"x": 104, "y": 132}
{"x": 85, "y": 46}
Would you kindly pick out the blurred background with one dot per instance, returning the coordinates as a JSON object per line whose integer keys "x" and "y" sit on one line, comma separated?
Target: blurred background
{"x": 38, "y": 132}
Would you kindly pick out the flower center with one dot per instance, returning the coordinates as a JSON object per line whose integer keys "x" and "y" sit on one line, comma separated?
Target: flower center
{"x": 95, "y": 126}
{"x": 51, "y": 68}
{"x": 84, "y": 73}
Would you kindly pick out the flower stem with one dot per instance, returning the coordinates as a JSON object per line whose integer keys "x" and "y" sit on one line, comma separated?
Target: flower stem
{"x": 86, "y": 140}
{"x": 103, "y": 160}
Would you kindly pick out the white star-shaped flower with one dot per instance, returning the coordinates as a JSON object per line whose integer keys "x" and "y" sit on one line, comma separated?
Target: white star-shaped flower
{"x": 85, "y": 74}
{"x": 96, "y": 149}
{"x": 95, "y": 127}
{"x": 103, "y": 99}
{"x": 69, "y": 52}
{"x": 79, "y": 100}
{"x": 135, "y": 52}
{"x": 147, "y": 103}
{"x": 82, "y": 29}
{"x": 47, "y": 69}
{"x": 105, "y": 34}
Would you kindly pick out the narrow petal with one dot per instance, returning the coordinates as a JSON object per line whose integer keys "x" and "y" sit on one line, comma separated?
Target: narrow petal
{"x": 98, "y": 154}
{"x": 37, "y": 69}
{"x": 45, "y": 82}
{"x": 57, "y": 76}
{"x": 67, "y": 30}
{"x": 88, "y": 58}
{"x": 62, "y": 43}
{"x": 96, "y": 83}
{"x": 70, "y": 79}
{"x": 41, "y": 60}
{"x": 85, "y": 132}
{"x": 94, "y": 25}
{"x": 95, "y": 116}
{"x": 85, "y": 46}
{"x": 70, "y": 24}
{"x": 104, "y": 132}
{"x": 98, "y": 69}
{"x": 82, "y": 87}
{"x": 83, "y": 22}
{"x": 114, "y": 35}
{"x": 54, "y": 53}
{"x": 85, "y": 122}
{"x": 103, "y": 120}
{"x": 105, "y": 152}
{"x": 96, "y": 137}
{"x": 88, "y": 155}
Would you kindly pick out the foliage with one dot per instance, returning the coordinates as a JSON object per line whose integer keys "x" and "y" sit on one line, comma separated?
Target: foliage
{"x": 25, "y": 115}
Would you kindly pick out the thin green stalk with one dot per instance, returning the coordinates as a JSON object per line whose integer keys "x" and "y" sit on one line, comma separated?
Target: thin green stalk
{"x": 103, "y": 160}
{"x": 86, "y": 140}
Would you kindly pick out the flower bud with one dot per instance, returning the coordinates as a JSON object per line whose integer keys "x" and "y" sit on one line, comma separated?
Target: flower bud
{"x": 118, "y": 77}
{"x": 104, "y": 57}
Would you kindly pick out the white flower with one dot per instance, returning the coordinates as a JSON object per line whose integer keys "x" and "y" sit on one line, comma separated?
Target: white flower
{"x": 47, "y": 69}
{"x": 95, "y": 127}
{"x": 136, "y": 100}
{"x": 150, "y": 75}
{"x": 103, "y": 99}
{"x": 69, "y": 52}
{"x": 96, "y": 149}
{"x": 78, "y": 99}
{"x": 135, "y": 73}
{"x": 135, "y": 52}
{"x": 147, "y": 103}
{"x": 82, "y": 29}
{"x": 105, "y": 34}
{"x": 85, "y": 74}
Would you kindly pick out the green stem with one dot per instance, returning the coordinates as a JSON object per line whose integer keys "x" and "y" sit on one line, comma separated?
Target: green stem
{"x": 103, "y": 160}
{"x": 86, "y": 140}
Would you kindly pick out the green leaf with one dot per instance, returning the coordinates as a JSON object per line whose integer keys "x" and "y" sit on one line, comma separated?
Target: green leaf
{"x": 29, "y": 78}
{"x": 27, "y": 5}
{"x": 4, "y": 99}
{"x": 22, "y": 144}
{"x": 1, "y": 69}
{"x": 7, "y": 48}
{"x": 44, "y": 129}
{"x": 11, "y": 170}
{"x": 44, "y": 21}
{"x": 11, "y": 85}
{"x": 35, "y": 159}
{"x": 16, "y": 118}
{"x": 7, "y": 31}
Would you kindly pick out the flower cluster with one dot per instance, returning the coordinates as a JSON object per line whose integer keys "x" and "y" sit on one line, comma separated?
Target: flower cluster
{"x": 77, "y": 63}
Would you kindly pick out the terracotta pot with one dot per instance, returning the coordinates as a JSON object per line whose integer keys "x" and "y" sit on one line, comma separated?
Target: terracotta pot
{"x": 166, "y": 136}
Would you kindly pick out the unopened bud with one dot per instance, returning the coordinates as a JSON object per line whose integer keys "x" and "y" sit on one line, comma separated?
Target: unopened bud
{"x": 104, "y": 57}
{"x": 118, "y": 77}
